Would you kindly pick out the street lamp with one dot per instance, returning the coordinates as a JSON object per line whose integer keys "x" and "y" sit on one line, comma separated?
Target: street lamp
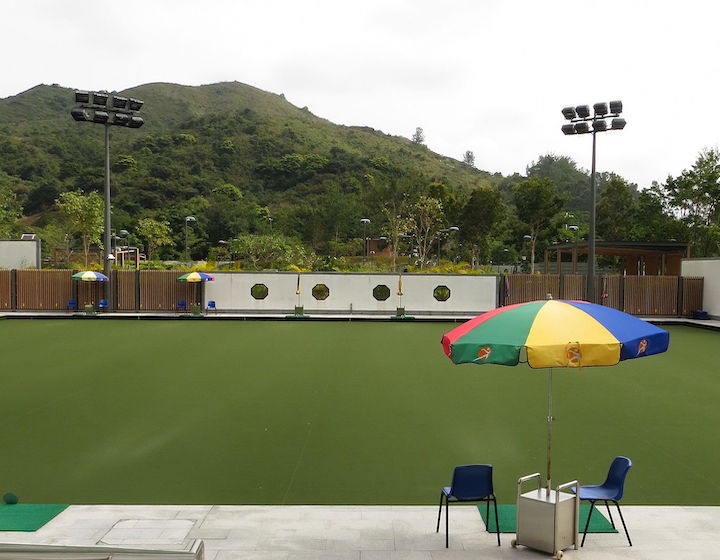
{"x": 108, "y": 110}
{"x": 187, "y": 220}
{"x": 581, "y": 122}
{"x": 447, "y": 232}
{"x": 365, "y": 222}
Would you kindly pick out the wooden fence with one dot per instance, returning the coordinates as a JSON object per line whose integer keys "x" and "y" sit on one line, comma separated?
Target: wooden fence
{"x": 155, "y": 290}
{"x": 637, "y": 295}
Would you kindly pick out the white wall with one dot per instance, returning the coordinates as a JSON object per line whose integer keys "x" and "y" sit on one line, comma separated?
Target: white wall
{"x": 353, "y": 293}
{"x": 17, "y": 253}
{"x": 710, "y": 270}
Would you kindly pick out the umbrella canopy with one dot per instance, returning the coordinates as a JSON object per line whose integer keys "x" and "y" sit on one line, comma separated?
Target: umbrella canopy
{"x": 196, "y": 277}
{"x": 90, "y": 276}
{"x": 554, "y": 333}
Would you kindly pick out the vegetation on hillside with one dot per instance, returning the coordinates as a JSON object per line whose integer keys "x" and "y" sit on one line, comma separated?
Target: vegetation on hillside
{"x": 254, "y": 170}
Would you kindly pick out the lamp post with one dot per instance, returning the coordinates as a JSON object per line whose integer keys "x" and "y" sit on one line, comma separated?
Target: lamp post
{"x": 446, "y": 232}
{"x": 581, "y": 122}
{"x": 108, "y": 110}
{"x": 187, "y": 220}
{"x": 365, "y": 222}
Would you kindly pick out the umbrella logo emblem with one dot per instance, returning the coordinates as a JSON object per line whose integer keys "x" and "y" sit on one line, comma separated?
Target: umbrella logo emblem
{"x": 573, "y": 355}
{"x": 643, "y": 346}
{"x": 484, "y": 353}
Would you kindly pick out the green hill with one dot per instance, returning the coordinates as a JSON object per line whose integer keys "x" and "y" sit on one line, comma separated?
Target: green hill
{"x": 314, "y": 177}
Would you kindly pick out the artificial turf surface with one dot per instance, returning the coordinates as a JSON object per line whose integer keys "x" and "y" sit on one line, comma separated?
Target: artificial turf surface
{"x": 273, "y": 412}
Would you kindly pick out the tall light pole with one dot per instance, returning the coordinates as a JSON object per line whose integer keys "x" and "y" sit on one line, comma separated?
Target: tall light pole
{"x": 187, "y": 220}
{"x": 108, "y": 110}
{"x": 365, "y": 222}
{"x": 447, "y": 233}
{"x": 580, "y": 123}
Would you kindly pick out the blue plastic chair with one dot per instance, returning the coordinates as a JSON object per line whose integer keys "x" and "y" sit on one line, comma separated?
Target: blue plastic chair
{"x": 182, "y": 305}
{"x": 103, "y": 304}
{"x": 211, "y": 305}
{"x": 72, "y": 304}
{"x": 609, "y": 491}
{"x": 470, "y": 483}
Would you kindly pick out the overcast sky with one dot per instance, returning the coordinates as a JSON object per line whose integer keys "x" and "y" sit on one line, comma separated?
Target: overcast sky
{"x": 484, "y": 75}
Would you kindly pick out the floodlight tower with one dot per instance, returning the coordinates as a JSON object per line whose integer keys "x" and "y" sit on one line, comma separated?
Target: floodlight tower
{"x": 581, "y": 122}
{"x": 107, "y": 109}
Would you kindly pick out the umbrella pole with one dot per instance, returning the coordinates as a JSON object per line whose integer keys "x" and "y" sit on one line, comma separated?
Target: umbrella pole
{"x": 549, "y": 433}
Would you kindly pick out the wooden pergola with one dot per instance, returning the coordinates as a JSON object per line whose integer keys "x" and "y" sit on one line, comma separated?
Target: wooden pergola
{"x": 663, "y": 258}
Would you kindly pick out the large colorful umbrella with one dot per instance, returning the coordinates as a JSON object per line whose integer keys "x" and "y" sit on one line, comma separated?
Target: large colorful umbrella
{"x": 553, "y": 333}
{"x": 196, "y": 278}
{"x": 90, "y": 276}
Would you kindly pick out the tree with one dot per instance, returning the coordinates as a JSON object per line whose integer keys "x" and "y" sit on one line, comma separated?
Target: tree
{"x": 695, "y": 196}
{"x": 616, "y": 211}
{"x": 10, "y": 211}
{"x": 566, "y": 176}
{"x": 419, "y": 136}
{"x": 469, "y": 158}
{"x": 537, "y": 202}
{"x": 398, "y": 224}
{"x": 154, "y": 233}
{"x": 480, "y": 217}
{"x": 426, "y": 216}
{"x": 84, "y": 214}
{"x": 259, "y": 252}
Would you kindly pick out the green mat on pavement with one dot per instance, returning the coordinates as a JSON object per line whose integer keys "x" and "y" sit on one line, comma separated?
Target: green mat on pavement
{"x": 506, "y": 519}
{"x": 27, "y": 517}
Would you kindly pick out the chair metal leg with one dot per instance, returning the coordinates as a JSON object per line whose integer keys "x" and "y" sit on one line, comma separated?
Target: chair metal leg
{"x": 437, "y": 529}
{"x": 623, "y": 522}
{"x": 447, "y": 530}
{"x": 612, "y": 521}
{"x": 497, "y": 522}
{"x": 587, "y": 523}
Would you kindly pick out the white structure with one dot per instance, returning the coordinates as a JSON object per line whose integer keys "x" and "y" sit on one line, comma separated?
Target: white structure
{"x": 347, "y": 293}
{"x": 20, "y": 253}
{"x": 710, "y": 270}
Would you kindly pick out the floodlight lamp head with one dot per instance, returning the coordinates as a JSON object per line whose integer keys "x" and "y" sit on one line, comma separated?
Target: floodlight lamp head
{"x": 79, "y": 114}
{"x": 569, "y": 113}
{"x": 82, "y": 97}
{"x": 583, "y": 111}
{"x": 618, "y": 123}
{"x": 136, "y": 122}
{"x": 119, "y": 102}
{"x": 616, "y": 107}
{"x": 121, "y": 119}
{"x": 599, "y": 125}
{"x": 600, "y": 109}
{"x": 134, "y": 104}
{"x": 582, "y": 128}
{"x": 100, "y": 116}
{"x": 100, "y": 98}
{"x": 568, "y": 129}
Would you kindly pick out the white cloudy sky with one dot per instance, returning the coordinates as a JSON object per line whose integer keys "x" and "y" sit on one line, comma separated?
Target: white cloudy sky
{"x": 484, "y": 75}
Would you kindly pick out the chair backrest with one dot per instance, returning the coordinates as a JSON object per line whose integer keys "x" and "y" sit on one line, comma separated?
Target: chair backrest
{"x": 616, "y": 476}
{"x": 472, "y": 482}
{"x": 211, "y": 304}
{"x": 72, "y": 303}
{"x": 182, "y": 304}
{"x": 103, "y": 303}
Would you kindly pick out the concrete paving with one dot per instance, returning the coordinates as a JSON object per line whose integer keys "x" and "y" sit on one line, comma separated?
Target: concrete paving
{"x": 362, "y": 533}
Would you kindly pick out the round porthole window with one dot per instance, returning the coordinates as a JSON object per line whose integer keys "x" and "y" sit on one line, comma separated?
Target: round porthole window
{"x": 441, "y": 293}
{"x": 259, "y": 291}
{"x": 320, "y": 292}
{"x": 381, "y": 292}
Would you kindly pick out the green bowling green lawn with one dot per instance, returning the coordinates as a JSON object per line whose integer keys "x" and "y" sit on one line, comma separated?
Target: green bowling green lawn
{"x": 287, "y": 412}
